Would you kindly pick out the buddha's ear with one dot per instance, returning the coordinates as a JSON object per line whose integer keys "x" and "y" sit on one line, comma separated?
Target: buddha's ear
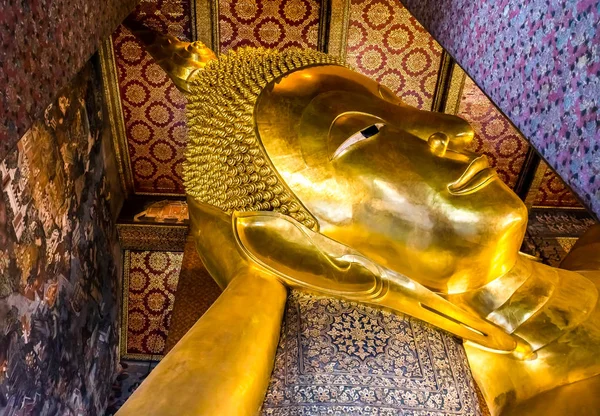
{"x": 303, "y": 258}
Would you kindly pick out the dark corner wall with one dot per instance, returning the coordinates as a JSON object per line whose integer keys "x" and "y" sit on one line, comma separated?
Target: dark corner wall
{"x": 59, "y": 258}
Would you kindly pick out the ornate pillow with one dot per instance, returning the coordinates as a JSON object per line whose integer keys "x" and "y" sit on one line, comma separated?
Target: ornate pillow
{"x": 342, "y": 358}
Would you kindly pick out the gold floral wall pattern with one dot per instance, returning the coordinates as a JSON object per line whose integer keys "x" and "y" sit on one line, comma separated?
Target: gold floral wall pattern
{"x": 150, "y": 281}
{"x": 495, "y": 136}
{"x": 277, "y": 24}
{"x": 554, "y": 193}
{"x": 153, "y": 109}
{"x": 386, "y": 43}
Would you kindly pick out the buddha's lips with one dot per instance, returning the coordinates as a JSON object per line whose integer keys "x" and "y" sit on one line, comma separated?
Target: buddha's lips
{"x": 478, "y": 174}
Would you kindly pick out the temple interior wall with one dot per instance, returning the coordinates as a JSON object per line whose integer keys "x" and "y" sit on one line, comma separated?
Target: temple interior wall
{"x": 60, "y": 260}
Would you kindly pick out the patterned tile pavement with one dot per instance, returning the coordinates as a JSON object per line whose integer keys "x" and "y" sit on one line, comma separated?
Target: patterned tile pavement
{"x": 277, "y": 24}
{"x": 150, "y": 282}
{"x": 387, "y": 44}
{"x": 495, "y": 136}
{"x": 153, "y": 109}
{"x": 539, "y": 61}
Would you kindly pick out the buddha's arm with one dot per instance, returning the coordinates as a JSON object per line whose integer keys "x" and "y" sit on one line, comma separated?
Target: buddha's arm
{"x": 222, "y": 366}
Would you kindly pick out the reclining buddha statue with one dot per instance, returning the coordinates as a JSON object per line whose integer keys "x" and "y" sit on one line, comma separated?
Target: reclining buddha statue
{"x": 303, "y": 174}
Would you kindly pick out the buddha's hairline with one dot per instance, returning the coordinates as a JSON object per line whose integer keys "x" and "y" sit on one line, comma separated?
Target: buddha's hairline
{"x": 226, "y": 164}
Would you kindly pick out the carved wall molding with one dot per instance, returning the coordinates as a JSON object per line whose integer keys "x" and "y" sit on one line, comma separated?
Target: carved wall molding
{"x": 112, "y": 97}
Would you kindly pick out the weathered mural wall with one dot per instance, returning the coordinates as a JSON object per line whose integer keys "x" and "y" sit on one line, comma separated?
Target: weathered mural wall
{"x": 58, "y": 270}
{"x": 43, "y": 43}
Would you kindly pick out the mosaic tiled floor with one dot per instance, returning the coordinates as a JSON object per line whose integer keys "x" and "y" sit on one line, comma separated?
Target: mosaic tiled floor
{"x": 343, "y": 358}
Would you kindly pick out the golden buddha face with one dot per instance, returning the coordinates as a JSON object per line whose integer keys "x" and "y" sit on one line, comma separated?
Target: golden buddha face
{"x": 391, "y": 181}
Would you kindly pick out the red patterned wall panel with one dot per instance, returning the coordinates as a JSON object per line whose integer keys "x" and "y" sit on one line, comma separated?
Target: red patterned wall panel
{"x": 275, "y": 24}
{"x": 495, "y": 136}
{"x": 151, "y": 282}
{"x": 554, "y": 193}
{"x": 387, "y": 44}
{"x": 153, "y": 109}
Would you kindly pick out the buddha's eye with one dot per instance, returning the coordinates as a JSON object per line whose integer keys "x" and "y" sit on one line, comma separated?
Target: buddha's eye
{"x": 370, "y": 131}
{"x": 350, "y": 128}
{"x": 357, "y": 137}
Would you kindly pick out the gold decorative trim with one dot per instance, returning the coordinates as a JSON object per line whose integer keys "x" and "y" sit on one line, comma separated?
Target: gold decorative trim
{"x": 152, "y": 236}
{"x": 534, "y": 188}
{"x": 457, "y": 84}
{"x": 143, "y": 357}
{"x": 124, "y": 307}
{"x": 566, "y": 243}
{"x": 205, "y": 23}
{"x": 216, "y": 40}
{"x": 115, "y": 114}
{"x": 442, "y": 83}
{"x": 157, "y": 225}
{"x": 182, "y": 194}
{"x": 555, "y": 207}
{"x": 338, "y": 28}
{"x": 324, "y": 25}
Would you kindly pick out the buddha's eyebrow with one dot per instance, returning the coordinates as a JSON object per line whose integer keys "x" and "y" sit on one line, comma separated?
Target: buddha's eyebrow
{"x": 357, "y": 137}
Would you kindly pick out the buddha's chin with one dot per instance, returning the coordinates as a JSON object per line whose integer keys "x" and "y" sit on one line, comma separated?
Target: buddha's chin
{"x": 456, "y": 268}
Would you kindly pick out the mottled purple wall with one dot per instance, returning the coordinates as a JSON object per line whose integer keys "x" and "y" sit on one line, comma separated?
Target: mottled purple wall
{"x": 43, "y": 44}
{"x": 539, "y": 61}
